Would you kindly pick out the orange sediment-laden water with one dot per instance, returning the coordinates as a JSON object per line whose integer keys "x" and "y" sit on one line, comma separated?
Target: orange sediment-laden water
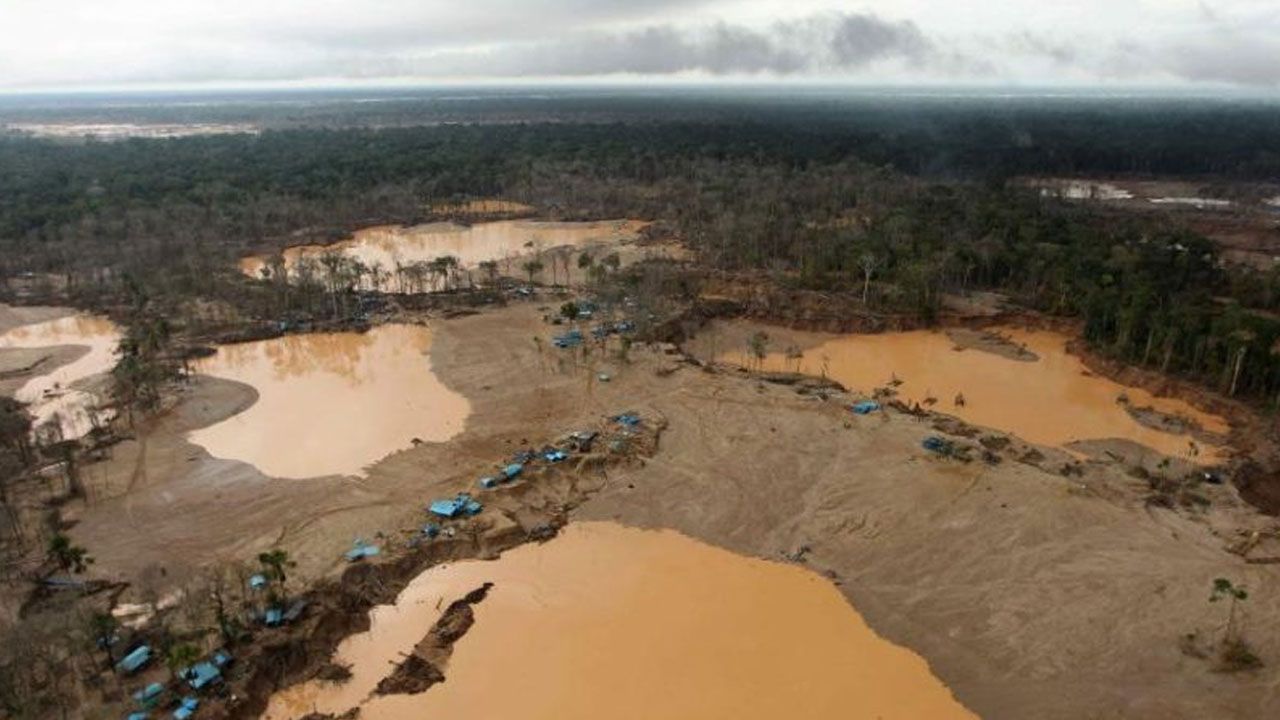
{"x": 56, "y": 396}
{"x": 1053, "y": 400}
{"x": 607, "y": 621}
{"x": 332, "y": 403}
{"x": 394, "y": 250}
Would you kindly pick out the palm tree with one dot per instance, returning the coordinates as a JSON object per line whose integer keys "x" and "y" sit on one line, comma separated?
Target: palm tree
{"x": 533, "y": 267}
{"x": 759, "y": 346}
{"x": 103, "y": 626}
{"x": 490, "y": 268}
{"x": 70, "y": 558}
{"x": 1225, "y": 589}
{"x": 274, "y": 563}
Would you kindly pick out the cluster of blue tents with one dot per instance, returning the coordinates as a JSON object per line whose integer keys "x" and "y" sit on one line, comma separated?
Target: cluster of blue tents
{"x": 505, "y": 475}
{"x": 461, "y": 505}
{"x": 198, "y": 677}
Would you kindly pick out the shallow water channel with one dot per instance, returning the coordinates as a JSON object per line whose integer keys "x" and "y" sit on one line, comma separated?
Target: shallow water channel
{"x": 607, "y": 621}
{"x": 1052, "y": 400}
{"x": 62, "y": 393}
{"x": 505, "y": 241}
{"x": 332, "y": 403}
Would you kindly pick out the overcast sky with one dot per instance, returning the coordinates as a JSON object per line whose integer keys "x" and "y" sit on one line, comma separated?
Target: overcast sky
{"x": 57, "y": 44}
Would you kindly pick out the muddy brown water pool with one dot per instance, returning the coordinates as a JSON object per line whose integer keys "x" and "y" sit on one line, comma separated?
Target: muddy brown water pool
{"x": 61, "y": 395}
{"x": 1052, "y": 400}
{"x": 611, "y": 621}
{"x": 508, "y": 242}
{"x": 332, "y": 403}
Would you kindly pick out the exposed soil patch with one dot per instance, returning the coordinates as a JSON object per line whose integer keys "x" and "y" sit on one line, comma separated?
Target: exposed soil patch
{"x": 1171, "y": 423}
{"x": 425, "y": 666}
{"x": 991, "y": 341}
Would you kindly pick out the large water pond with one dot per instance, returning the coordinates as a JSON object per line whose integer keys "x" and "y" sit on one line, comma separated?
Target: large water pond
{"x": 64, "y": 395}
{"x": 607, "y": 621}
{"x": 1049, "y": 400}
{"x": 332, "y": 403}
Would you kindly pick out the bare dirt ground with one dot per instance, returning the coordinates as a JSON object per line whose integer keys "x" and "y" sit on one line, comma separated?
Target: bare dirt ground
{"x": 1031, "y": 593}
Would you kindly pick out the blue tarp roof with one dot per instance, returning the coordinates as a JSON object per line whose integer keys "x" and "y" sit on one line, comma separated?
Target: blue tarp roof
{"x": 258, "y": 581}
{"x": 187, "y": 709}
{"x": 934, "y": 443}
{"x": 512, "y": 470}
{"x": 866, "y": 407}
{"x": 134, "y": 661}
{"x": 149, "y": 693}
{"x": 273, "y": 616}
{"x": 554, "y": 455}
{"x": 222, "y": 658}
{"x": 201, "y": 674}
{"x": 456, "y": 506}
{"x": 627, "y": 419}
{"x": 362, "y": 550}
{"x": 136, "y": 716}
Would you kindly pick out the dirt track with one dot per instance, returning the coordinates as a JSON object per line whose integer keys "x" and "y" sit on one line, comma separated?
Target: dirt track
{"x": 1031, "y": 594}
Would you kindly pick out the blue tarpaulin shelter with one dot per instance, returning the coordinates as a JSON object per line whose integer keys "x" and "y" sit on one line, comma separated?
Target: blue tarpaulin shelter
{"x": 186, "y": 709}
{"x": 222, "y": 658}
{"x": 362, "y": 550}
{"x": 202, "y": 674}
{"x": 136, "y": 716}
{"x": 273, "y": 616}
{"x": 146, "y": 697}
{"x": 933, "y": 443}
{"x": 554, "y": 456}
{"x": 512, "y": 471}
{"x": 257, "y": 582}
{"x": 573, "y": 338}
{"x": 460, "y": 506}
{"x": 629, "y": 420}
{"x": 866, "y": 407}
{"x": 135, "y": 660}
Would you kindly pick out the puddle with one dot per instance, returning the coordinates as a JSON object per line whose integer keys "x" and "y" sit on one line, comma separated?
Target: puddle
{"x": 332, "y": 403}
{"x": 607, "y": 621}
{"x": 61, "y": 394}
{"x": 1051, "y": 401}
{"x": 396, "y": 250}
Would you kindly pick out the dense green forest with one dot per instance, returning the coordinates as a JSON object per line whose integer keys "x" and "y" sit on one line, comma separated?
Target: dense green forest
{"x": 909, "y": 200}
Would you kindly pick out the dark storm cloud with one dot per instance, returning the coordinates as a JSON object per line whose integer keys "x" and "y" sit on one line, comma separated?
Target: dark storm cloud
{"x": 861, "y": 39}
{"x": 828, "y": 42}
